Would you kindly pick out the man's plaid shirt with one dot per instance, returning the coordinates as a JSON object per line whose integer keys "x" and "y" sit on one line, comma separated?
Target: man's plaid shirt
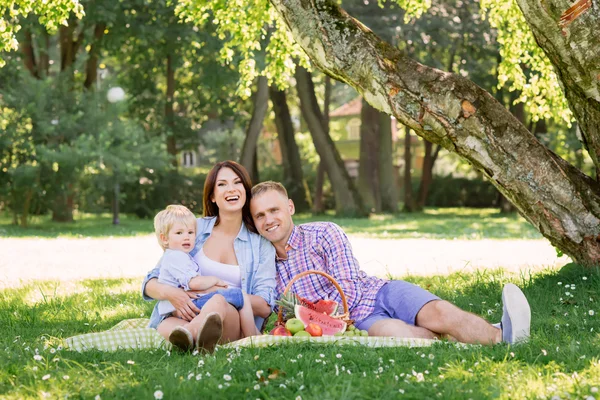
{"x": 323, "y": 246}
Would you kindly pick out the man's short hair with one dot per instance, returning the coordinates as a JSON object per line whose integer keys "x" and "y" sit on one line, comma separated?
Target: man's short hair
{"x": 264, "y": 187}
{"x": 164, "y": 220}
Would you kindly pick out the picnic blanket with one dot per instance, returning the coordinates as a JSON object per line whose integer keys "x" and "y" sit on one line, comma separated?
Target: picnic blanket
{"x": 133, "y": 334}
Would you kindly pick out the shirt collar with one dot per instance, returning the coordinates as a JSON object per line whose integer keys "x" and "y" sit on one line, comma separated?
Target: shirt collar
{"x": 293, "y": 242}
{"x": 243, "y": 234}
{"x": 295, "y": 239}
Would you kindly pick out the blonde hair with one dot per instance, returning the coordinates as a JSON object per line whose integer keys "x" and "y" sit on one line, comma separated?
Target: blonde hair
{"x": 264, "y": 187}
{"x": 165, "y": 219}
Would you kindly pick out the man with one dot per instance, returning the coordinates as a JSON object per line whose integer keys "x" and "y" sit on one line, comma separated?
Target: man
{"x": 384, "y": 308}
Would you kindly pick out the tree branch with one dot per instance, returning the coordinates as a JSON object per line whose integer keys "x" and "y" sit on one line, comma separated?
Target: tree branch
{"x": 452, "y": 111}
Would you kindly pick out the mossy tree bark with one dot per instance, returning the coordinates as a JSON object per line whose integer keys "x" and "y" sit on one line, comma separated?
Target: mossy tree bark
{"x": 447, "y": 109}
{"x": 572, "y": 43}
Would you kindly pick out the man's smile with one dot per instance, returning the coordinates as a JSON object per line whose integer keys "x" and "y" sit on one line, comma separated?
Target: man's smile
{"x": 272, "y": 228}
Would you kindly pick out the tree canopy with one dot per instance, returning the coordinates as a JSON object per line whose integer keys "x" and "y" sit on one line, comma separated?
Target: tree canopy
{"x": 550, "y": 55}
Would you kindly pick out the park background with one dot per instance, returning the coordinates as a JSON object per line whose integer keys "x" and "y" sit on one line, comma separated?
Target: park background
{"x": 110, "y": 110}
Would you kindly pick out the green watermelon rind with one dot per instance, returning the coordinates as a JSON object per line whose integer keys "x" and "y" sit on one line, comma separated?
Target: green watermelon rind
{"x": 330, "y": 325}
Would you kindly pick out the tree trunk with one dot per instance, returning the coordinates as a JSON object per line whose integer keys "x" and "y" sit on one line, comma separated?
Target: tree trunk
{"x": 68, "y": 48}
{"x": 427, "y": 175}
{"x": 368, "y": 168}
{"x": 261, "y": 103}
{"x": 170, "y": 112}
{"x": 290, "y": 154}
{"x": 91, "y": 66}
{"x": 409, "y": 199}
{"x": 44, "y": 52}
{"x": 447, "y": 109}
{"x": 29, "y": 54}
{"x": 347, "y": 198}
{"x": 430, "y": 157}
{"x": 318, "y": 204}
{"x": 26, "y": 205}
{"x": 572, "y": 47}
{"x": 388, "y": 187}
{"x": 62, "y": 210}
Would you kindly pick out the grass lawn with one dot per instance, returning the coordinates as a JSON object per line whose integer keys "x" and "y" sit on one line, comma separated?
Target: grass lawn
{"x": 437, "y": 223}
{"x": 560, "y": 361}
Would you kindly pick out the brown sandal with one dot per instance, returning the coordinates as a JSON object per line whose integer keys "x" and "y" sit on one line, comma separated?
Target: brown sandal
{"x": 181, "y": 338}
{"x": 210, "y": 333}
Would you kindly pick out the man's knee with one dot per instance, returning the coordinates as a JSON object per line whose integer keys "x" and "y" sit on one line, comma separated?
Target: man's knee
{"x": 437, "y": 312}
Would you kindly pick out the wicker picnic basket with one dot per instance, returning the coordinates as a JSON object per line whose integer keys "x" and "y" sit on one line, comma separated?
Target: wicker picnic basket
{"x": 345, "y": 316}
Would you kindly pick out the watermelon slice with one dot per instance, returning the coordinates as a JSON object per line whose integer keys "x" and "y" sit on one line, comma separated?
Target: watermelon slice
{"x": 330, "y": 326}
{"x": 328, "y": 307}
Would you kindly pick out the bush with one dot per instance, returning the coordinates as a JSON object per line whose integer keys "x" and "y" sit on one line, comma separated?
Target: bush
{"x": 154, "y": 191}
{"x": 447, "y": 191}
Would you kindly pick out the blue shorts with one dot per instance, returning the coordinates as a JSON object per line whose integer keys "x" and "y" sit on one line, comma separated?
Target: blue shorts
{"x": 397, "y": 300}
{"x": 233, "y": 296}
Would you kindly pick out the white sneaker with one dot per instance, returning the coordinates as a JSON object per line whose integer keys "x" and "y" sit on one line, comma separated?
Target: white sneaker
{"x": 516, "y": 315}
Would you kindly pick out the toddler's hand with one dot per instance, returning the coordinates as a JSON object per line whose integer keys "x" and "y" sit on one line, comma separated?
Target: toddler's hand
{"x": 221, "y": 283}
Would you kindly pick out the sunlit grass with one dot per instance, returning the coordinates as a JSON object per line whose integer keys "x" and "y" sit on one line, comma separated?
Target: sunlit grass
{"x": 436, "y": 223}
{"x": 439, "y": 223}
{"x": 560, "y": 360}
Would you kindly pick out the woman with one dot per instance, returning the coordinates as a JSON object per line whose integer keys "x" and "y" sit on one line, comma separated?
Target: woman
{"x": 228, "y": 245}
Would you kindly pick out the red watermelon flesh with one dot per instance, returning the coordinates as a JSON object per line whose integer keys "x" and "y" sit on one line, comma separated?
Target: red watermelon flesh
{"x": 328, "y": 307}
{"x": 330, "y": 326}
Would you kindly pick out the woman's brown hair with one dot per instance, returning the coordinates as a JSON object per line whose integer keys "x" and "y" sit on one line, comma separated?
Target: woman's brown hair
{"x": 211, "y": 209}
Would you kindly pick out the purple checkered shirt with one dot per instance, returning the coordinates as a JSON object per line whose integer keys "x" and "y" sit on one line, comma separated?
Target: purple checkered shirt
{"x": 323, "y": 246}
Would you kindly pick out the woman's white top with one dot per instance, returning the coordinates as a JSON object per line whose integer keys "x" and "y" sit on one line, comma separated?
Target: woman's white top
{"x": 229, "y": 273}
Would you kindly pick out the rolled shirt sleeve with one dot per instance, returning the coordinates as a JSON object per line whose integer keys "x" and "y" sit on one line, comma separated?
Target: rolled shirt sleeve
{"x": 177, "y": 269}
{"x": 265, "y": 275}
{"x": 151, "y": 275}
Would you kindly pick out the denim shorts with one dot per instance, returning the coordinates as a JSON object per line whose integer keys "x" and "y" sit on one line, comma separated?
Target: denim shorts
{"x": 233, "y": 296}
{"x": 398, "y": 300}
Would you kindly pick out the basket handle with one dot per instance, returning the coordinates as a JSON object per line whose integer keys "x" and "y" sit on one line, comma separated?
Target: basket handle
{"x": 331, "y": 279}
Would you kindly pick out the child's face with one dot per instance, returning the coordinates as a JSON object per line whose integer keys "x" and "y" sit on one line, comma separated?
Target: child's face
{"x": 180, "y": 237}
